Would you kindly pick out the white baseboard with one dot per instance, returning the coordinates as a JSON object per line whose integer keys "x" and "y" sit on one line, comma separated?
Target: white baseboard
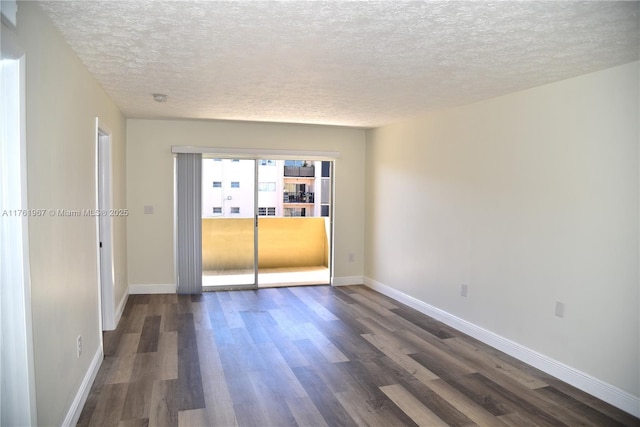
{"x": 347, "y": 280}
{"x": 73, "y": 415}
{"x": 168, "y": 288}
{"x": 585, "y": 382}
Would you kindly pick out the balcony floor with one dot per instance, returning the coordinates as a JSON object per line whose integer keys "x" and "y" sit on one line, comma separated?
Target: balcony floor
{"x": 268, "y": 277}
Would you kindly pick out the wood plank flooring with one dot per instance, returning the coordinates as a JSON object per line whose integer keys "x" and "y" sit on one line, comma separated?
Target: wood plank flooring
{"x": 316, "y": 356}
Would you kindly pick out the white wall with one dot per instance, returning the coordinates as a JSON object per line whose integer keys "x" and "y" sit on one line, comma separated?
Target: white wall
{"x": 63, "y": 100}
{"x": 529, "y": 199}
{"x": 150, "y": 182}
{"x": 225, "y": 197}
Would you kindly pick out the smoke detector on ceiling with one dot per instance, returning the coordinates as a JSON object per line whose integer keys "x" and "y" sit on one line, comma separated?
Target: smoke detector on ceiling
{"x": 159, "y": 97}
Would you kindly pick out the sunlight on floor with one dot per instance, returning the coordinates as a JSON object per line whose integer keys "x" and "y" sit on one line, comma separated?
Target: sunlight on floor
{"x": 268, "y": 277}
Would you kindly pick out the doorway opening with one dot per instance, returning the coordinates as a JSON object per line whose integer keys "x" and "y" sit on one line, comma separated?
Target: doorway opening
{"x": 266, "y": 222}
{"x": 105, "y": 226}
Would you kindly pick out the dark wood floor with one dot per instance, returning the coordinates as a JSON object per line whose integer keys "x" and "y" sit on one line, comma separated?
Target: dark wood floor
{"x": 316, "y": 356}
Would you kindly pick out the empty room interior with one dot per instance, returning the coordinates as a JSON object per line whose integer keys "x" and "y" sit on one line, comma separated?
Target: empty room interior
{"x": 465, "y": 176}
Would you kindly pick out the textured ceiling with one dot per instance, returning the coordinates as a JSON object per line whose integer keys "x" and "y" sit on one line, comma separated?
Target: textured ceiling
{"x": 359, "y": 63}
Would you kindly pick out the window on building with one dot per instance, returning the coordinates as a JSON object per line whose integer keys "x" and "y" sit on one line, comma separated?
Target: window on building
{"x": 268, "y": 211}
{"x": 266, "y": 186}
{"x": 217, "y": 184}
{"x": 267, "y": 162}
{"x": 295, "y": 212}
{"x": 217, "y": 210}
{"x": 235, "y": 160}
{"x": 235, "y": 184}
{"x": 294, "y": 163}
{"x": 326, "y": 169}
{"x": 292, "y": 187}
{"x": 325, "y": 190}
{"x": 235, "y": 209}
{"x": 298, "y": 193}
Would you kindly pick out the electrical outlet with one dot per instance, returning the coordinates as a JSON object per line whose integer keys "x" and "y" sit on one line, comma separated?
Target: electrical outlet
{"x": 79, "y": 346}
{"x": 352, "y": 257}
{"x": 463, "y": 290}
{"x": 559, "y": 309}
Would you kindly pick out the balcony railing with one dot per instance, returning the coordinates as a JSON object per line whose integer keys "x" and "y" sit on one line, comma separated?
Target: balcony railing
{"x": 302, "y": 171}
{"x": 228, "y": 243}
{"x": 298, "y": 197}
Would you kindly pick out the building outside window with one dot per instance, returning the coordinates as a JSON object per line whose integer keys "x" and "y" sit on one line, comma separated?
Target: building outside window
{"x": 268, "y": 211}
{"x": 294, "y": 163}
{"x": 295, "y": 212}
{"x": 302, "y": 187}
{"x": 266, "y": 186}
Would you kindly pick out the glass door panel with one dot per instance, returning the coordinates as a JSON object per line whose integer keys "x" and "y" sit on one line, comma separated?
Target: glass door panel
{"x": 293, "y": 222}
{"x": 228, "y": 223}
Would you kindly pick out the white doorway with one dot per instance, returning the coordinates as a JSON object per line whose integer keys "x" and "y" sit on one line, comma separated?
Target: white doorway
{"x": 265, "y": 222}
{"x": 17, "y": 377}
{"x": 105, "y": 226}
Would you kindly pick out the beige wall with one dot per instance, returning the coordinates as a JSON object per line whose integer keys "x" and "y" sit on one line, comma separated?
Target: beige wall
{"x": 529, "y": 199}
{"x": 63, "y": 100}
{"x": 150, "y": 182}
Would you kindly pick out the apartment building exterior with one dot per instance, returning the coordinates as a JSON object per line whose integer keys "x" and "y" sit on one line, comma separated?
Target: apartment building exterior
{"x": 286, "y": 188}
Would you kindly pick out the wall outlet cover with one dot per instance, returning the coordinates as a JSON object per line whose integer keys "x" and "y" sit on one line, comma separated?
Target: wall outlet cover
{"x": 464, "y": 289}
{"x": 79, "y": 346}
{"x": 559, "y": 309}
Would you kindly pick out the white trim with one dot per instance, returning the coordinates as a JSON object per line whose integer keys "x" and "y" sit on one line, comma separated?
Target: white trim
{"x": 26, "y": 245}
{"x": 17, "y": 368}
{"x": 73, "y": 415}
{"x": 585, "y": 382}
{"x": 256, "y": 178}
{"x": 120, "y": 308}
{"x": 97, "y": 219}
{"x": 175, "y": 236}
{"x": 347, "y": 280}
{"x": 256, "y": 153}
{"x": 104, "y": 226}
{"x": 168, "y": 288}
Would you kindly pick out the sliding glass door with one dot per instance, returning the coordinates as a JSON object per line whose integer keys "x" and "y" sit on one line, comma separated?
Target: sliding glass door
{"x": 265, "y": 222}
{"x": 294, "y": 226}
{"x": 228, "y": 223}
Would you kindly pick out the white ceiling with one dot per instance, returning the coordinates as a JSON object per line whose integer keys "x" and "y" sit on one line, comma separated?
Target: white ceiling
{"x": 357, "y": 63}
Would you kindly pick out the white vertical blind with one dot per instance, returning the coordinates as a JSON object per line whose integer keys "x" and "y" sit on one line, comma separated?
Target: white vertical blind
{"x": 189, "y": 223}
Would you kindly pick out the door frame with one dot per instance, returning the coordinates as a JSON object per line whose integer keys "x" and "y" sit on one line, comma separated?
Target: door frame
{"x": 269, "y": 154}
{"x": 16, "y": 324}
{"x": 104, "y": 227}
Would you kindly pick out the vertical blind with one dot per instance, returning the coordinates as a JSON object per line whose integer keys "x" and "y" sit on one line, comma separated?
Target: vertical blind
{"x": 189, "y": 223}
